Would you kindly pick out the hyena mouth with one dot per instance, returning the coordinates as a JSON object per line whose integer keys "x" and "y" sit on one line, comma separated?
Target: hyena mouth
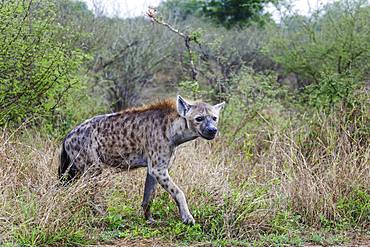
{"x": 207, "y": 137}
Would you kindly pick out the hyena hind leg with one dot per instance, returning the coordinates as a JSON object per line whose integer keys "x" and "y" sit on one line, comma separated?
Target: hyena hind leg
{"x": 149, "y": 189}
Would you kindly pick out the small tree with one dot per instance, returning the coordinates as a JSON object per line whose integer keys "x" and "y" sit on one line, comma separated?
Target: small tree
{"x": 231, "y": 13}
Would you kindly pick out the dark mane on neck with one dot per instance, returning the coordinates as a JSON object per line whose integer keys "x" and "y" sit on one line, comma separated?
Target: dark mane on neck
{"x": 168, "y": 105}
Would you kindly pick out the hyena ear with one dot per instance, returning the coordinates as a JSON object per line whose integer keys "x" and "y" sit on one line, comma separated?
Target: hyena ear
{"x": 182, "y": 106}
{"x": 219, "y": 106}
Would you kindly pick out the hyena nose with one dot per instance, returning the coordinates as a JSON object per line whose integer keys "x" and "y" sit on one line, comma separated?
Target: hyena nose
{"x": 212, "y": 130}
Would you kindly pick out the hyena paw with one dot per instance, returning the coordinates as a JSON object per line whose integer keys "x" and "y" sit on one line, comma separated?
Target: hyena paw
{"x": 188, "y": 219}
{"x": 150, "y": 221}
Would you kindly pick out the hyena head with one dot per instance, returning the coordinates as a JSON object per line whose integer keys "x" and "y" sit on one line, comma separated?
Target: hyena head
{"x": 201, "y": 118}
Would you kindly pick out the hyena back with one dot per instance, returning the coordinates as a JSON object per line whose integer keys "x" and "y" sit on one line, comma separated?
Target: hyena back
{"x": 140, "y": 137}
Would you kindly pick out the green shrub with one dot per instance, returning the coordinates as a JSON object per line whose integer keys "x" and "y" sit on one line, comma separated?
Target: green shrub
{"x": 332, "y": 89}
{"x": 355, "y": 208}
{"x": 334, "y": 40}
{"x": 38, "y": 63}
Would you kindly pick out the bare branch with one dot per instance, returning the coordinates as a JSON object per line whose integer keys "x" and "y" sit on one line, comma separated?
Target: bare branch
{"x": 152, "y": 14}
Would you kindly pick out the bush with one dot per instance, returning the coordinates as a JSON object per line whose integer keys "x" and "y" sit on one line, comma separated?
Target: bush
{"x": 37, "y": 65}
{"x": 332, "y": 89}
{"x": 331, "y": 41}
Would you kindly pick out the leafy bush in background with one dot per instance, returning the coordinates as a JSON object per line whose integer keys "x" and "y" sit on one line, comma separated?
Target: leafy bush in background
{"x": 328, "y": 50}
{"x": 38, "y": 63}
{"x": 230, "y": 13}
{"x": 332, "y": 89}
{"x": 333, "y": 40}
{"x": 226, "y": 13}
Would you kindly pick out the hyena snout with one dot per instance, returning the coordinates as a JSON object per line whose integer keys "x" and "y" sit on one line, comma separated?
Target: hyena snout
{"x": 209, "y": 132}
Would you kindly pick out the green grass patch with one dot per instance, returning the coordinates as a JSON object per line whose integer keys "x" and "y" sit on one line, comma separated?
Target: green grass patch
{"x": 127, "y": 221}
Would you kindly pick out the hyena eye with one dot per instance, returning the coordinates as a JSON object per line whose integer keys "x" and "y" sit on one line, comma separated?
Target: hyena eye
{"x": 199, "y": 119}
{"x": 214, "y": 119}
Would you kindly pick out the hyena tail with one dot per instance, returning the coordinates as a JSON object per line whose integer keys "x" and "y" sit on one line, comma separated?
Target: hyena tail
{"x": 67, "y": 169}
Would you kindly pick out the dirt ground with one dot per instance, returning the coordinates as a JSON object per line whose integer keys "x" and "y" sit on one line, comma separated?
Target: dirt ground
{"x": 137, "y": 243}
{"x": 161, "y": 243}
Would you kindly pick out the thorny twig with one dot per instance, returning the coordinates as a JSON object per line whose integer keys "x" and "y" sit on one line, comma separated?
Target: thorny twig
{"x": 152, "y": 14}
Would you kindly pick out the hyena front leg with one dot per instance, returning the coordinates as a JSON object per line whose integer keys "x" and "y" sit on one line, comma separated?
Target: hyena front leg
{"x": 164, "y": 179}
{"x": 149, "y": 189}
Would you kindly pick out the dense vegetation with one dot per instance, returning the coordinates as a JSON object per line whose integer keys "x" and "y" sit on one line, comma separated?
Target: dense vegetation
{"x": 291, "y": 165}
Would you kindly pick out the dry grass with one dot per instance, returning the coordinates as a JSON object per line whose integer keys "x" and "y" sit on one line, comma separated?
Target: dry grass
{"x": 32, "y": 203}
{"x": 291, "y": 173}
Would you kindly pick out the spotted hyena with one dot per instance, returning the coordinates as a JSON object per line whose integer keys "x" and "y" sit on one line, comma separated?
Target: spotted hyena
{"x": 140, "y": 137}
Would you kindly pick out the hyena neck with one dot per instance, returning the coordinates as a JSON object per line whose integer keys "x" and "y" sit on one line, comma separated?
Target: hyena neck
{"x": 179, "y": 131}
